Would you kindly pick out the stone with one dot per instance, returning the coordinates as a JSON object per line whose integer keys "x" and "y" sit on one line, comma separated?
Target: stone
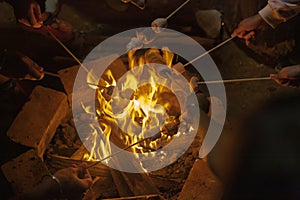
{"x": 25, "y": 172}
{"x": 117, "y": 5}
{"x": 36, "y": 123}
{"x": 201, "y": 184}
{"x": 210, "y": 21}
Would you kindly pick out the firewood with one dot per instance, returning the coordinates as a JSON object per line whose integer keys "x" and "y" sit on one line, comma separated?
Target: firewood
{"x": 59, "y": 162}
{"x": 122, "y": 187}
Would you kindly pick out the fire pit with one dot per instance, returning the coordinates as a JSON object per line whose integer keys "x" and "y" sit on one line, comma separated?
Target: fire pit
{"x": 123, "y": 106}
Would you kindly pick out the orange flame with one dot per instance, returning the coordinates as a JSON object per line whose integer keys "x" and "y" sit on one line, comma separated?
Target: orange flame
{"x": 137, "y": 108}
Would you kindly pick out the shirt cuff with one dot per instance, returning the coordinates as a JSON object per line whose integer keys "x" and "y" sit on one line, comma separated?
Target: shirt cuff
{"x": 270, "y": 17}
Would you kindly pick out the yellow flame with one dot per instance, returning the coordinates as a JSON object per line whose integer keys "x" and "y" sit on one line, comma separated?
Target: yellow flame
{"x": 139, "y": 113}
{"x": 91, "y": 80}
{"x": 167, "y": 56}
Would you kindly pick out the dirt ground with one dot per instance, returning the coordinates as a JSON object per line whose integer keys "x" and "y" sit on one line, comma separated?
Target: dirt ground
{"x": 93, "y": 21}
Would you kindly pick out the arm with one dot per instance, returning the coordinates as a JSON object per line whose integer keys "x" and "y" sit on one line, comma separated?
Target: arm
{"x": 27, "y": 12}
{"x": 278, "y": 11}
{"x": 288, "y": 76}
{"x": 247, "y": 28}
{"x": 74, "y": 181}
{"x": 71, "y": 182}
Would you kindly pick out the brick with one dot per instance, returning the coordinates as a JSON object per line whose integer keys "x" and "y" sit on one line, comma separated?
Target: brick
{"x": 68, "y": 75}
{"x": 201, "y": 184}
{"x": 25, "y": 172}
{"x": 36, "y": 123}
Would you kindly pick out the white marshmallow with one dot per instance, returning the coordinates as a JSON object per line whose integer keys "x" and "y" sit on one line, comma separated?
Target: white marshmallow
{"x": 158, "y": 24}
{"x": 178, "y": 67}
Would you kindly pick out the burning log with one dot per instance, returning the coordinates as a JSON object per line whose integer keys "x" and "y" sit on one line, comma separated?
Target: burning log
{"x": 60, "y": 162}
{"x": 104, "y": 187}
{"x": 129, "y": 184}
{"x": 140, "y": 184}
{"x": 80, "y": 153}
{"x": 149, "y": 196}
{"x": 122, "y": 186}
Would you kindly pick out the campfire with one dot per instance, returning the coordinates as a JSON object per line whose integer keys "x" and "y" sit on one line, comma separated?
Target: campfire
{"x": 137, "y": 111}
{"x": 140, "y": 109}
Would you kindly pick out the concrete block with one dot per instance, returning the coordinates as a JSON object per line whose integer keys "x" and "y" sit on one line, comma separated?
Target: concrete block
{"x": 39, "y": 118}
{"x": 201, "y": 184}
{"x": 25, "y": 172}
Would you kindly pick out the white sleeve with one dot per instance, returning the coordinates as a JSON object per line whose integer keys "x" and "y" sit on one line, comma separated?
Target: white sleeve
{"x": 278, "y": 11}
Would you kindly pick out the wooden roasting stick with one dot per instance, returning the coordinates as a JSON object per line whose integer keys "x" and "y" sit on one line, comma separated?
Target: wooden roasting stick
{"x": 175, "y": 11}
{"x": 234, "y": 80}
{"x": 180, "y": 68}
{"x": 51, "y": 74}
{"x": 135, "y": 197}
{"x": 224, "y": 81}
{"x": 199, "y": 83}
{"x": 209, "y": 51}
{"x": 67, "y": 50}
